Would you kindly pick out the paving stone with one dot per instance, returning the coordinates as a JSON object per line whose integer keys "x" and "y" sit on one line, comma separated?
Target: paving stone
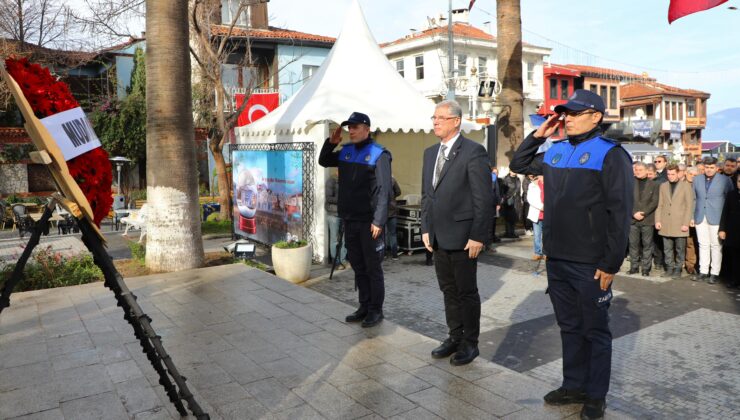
{"x": 25, "y": 376}
{"x": 378, "y": 398}
{"x": 288, "y": 371}
{"x": 331, "y": 403}
{"x": 241, "y": 368}
{"x": 224, "y": 394}
{"x": 446, "y": 406}
{"x": 205, "y": 374}
{"x": 123, "y": 371}
{"x": 12, "y": 356}
{"x": 101, "y": 406}
{"x": 247, "y": 408}
{"x": 137, "y": 396}
{"x": 417, "y": 413}
{"x": 274, "y": 395}
{"x": 28, "y": 400}
{"x": 303, "y": 412}
{"x": 337, "y": 374}
{"x": 82, "y": 382}
{"x": 394, "y": 378}
{"x": 53, "y": 414}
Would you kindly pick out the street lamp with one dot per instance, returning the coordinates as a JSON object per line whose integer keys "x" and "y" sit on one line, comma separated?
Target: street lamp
{"x": 119, "y": 161}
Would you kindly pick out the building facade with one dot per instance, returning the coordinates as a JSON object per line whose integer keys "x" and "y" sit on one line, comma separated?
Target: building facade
{"x": 422, "y": 59}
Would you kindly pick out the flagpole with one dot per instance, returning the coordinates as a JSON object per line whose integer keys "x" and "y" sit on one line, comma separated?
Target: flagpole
{"x": 450, "y": 56}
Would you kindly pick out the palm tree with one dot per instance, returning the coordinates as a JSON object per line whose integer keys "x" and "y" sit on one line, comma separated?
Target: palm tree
{"x": 173, "y": 223}
{"x": 509, "y": 44}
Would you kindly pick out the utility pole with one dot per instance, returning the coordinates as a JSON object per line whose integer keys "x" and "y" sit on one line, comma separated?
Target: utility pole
{"x": 450, "y": 57}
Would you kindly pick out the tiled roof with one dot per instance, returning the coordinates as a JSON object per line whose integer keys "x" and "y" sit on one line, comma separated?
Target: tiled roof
{"x": 44, "y": 55}
{"x": 709, "y": 145}
{"x": 271, "y": 33}
{"x": 558, "y": 69}
{"x": 458, "y": 29}
{"x": 643, "y": 89}
{"x": 609, "y": 73}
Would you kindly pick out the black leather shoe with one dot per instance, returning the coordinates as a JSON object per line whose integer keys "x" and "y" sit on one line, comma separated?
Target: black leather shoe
{"x": 593, "y": 409}
{"x": 562, "y": 396}
{"x": 446, "y": 349}
{"x": 713, "y": 279}
{"x": 430, "y": 263}
{"x": 372, "y": 319}
{"x": 633, "y": 271}
{"x": 646, "y": 273}
{"x": 357, "y": 315}
{"x": 677, "y": 273}
{"x": 466, "y": 353}
{"x": 496, "y": 239}
{"x": 698, "y": 277}
{"x": 668, "y": 273}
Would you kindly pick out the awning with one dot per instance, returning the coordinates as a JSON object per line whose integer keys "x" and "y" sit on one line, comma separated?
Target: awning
{"x": 641, "y": 149}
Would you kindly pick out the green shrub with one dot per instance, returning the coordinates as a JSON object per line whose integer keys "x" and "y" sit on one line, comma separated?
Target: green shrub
{"x": 137, "y": 194}
{"x": 211, "y": 226}
{"x": 290, "y": 244}
{"x": 252, "y": 263}
{"x": 47, "y": 269}
{"x": 138, "y": 251}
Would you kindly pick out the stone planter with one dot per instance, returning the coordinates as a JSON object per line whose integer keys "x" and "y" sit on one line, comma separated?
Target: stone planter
{"x": 292, "y": 264}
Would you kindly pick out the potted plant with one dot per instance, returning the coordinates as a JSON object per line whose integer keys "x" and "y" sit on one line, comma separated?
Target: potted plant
{"x": 292, "y": 259}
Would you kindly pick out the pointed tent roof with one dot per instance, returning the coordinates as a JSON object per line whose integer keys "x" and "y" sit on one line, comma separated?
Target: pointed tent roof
{"x": 355, "y": 76}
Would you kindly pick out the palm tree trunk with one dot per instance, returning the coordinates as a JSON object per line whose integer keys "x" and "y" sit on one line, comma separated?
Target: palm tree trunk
{"x": 510, "y": 124}
{"x": 173, "y": 223}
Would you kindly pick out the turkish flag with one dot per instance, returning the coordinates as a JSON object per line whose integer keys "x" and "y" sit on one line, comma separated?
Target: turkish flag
{"x": 681, "y": 8}
{"x": 258, "y": 105}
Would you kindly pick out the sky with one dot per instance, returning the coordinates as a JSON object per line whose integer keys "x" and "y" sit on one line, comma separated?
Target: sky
{"x": 696, "y": 52}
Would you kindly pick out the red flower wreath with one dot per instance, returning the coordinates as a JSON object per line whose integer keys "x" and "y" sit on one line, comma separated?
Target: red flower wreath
{"x": 48, "y": 96}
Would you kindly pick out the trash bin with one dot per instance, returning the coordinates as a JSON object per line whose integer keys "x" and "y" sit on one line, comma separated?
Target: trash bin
{"x": 209, "y": 208}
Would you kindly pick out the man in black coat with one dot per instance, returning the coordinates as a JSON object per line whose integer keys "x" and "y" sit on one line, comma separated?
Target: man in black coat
{"x": 511, "y": 202}
{"x": 642, "y": 228}
{"x": 456, "y": 215}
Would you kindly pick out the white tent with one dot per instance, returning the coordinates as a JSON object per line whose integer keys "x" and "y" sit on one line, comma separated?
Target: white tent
{"x": 356, "y": 76}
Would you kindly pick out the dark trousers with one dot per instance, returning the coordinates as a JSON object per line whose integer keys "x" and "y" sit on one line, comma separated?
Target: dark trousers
{"x": 391, "y": 237}
{"x": 658, "y": 254}
{"x": 732, "y": 253}
{"x": 675, "y": 252}
{"x": 456, "y": 274}
{"x": 510, "y": 217}
{"x": 582, "y": 311}
{"x": 641, "y": 235}
{"x": 525, "y": 211}
{"x": 366, "y": 256}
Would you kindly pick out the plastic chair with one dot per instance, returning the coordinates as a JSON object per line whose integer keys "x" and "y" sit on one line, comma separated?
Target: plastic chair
{"x": 22, "y": 219}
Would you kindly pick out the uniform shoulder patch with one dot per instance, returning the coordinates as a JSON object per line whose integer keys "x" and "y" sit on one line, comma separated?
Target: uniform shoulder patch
{"x": 584, "y": 158}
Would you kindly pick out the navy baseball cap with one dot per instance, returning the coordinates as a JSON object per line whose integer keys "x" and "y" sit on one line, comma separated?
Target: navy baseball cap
{"x": 357, "y": 118}
{"x": 582, "y": 100}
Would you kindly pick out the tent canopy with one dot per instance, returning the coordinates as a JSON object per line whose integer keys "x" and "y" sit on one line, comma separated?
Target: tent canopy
{"x": 637, "y": 149}
{"x": 356, "y": 76}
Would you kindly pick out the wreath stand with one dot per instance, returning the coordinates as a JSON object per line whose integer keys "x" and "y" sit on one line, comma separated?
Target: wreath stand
{"x": 73, "y": 200}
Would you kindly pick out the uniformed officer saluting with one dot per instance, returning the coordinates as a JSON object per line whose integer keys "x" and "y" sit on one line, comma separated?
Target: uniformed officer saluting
{"x": 588, "y": 203}
{"x": 364, "y": 192}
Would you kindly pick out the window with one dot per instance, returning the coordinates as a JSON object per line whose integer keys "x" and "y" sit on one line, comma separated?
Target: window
{"x": 462, "y": 65}
{"x": 667, "y": 110}
{"x": 691, "y": 108}
{"x": 594, "y": 89}
{"x": 530, "y": 73}
{"x": 603, "y": 94}
{"x": 482, "y": 66}
{"x": 564, "y": 89}
{"x": 235, "y": 76}
{"x": 680, "y": 111}
{"x": 649, "y": 110}
{"x": 553, "y": 88}
{"x": 399, "y": 67}
{"x": 229, "y": 9}
{"x": 419, "y": 62}
{"x": 674, "y": 111}
{"x": 613, "y": 97}
{"x": 308, "y": 72}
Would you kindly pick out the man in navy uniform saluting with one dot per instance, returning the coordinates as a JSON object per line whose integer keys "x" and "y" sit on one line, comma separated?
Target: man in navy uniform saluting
{"x": 588, "y": 203}
{"x": 364, "y": 193}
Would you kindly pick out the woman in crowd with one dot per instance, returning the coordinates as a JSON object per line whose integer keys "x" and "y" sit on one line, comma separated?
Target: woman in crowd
{"x": 535, "y": 198}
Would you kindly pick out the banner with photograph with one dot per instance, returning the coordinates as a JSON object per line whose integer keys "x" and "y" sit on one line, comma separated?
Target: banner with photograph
{"x": 268, "y": 194}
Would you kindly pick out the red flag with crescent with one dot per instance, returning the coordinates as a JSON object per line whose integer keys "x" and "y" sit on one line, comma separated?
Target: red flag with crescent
{"x": 470, "y": 6}
{"x": 681, "y": 8}
{"x": 258, "y": 105}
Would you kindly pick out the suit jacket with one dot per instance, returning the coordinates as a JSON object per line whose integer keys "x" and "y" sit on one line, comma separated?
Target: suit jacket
{"x": 461, "y": 207}
{"x": 709, "y": 203}
{"x": 675, "y": 210}
{"x": 646, "y": 202}
{"x": 730, "y": 222}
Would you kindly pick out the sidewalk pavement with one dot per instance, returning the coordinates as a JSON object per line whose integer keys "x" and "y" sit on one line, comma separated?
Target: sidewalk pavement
{"x": 251, "y": 346}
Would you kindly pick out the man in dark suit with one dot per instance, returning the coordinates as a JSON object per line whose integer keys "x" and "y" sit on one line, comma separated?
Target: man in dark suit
{"x": 456, "y": 214}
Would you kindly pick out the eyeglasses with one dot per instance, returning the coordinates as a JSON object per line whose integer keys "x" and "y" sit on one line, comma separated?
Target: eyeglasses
{"x": 436, "y": 118}
{"x": 577, "y": 113}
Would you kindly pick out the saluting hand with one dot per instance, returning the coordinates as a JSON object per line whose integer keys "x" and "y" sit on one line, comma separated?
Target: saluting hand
{"x": 336, "y": 136}
{"x": 548, "y": 128}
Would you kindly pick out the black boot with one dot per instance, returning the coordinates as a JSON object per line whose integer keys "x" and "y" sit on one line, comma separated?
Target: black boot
{"x": 562, "y": 396}
{"x": 446, "y": 349}
{"x": 593, "y": 409}
{"x": 372, "y": 319}
{"x": 466, "y": 353}
{"x": 357, "y": 315}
